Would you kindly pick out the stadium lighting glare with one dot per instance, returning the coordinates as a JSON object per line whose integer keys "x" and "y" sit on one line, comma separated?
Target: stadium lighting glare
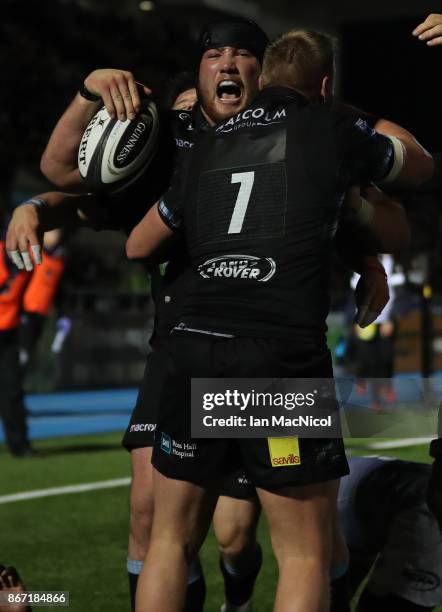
{"x": 147, "y": 5}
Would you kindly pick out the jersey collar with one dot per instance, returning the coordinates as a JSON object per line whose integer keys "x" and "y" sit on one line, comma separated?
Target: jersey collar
{"x": 199, "y": 121}
{"x": 281, "y": 92}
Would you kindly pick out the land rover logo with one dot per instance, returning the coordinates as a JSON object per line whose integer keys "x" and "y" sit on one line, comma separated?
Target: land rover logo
{"x": 244, "y": 267}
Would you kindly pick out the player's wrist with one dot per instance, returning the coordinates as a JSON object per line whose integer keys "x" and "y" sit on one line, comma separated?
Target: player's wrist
{"x": 39, "y": 203}
{"x": 87, "y": 94}
{"x": 373, "y": 264}
{"x": 41, "y": 208}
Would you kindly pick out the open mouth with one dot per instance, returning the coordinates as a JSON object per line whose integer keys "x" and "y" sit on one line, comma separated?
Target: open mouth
{"x": 229, "y": 92}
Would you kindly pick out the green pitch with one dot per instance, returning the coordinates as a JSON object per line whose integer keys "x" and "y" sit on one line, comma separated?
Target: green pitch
{"x": 77, "y": 542}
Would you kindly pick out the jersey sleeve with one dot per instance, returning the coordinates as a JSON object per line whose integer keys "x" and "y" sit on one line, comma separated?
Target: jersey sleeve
{"x": 367, "y": 155}
{"x": 170, "y": 207}
{"x": 170, "y": 213}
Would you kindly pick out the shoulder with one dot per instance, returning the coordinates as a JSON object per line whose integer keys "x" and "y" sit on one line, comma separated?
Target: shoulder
{"x": 353, "y": 111}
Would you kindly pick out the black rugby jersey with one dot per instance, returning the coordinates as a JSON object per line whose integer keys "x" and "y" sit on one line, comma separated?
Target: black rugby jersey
{"x": 259, "y": 206}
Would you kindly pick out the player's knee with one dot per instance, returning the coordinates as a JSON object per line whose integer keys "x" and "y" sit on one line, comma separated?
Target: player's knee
{"x": 316, "y": 555}
{"x": 174, "y": 544}
{"x": 141, "y": 511}
{"x": 235, "y": 542}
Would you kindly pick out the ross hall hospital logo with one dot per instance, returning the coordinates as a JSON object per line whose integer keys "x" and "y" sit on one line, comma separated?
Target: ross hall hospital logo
{"x": 251, "y": 117}
{"x": 247, "y": 267}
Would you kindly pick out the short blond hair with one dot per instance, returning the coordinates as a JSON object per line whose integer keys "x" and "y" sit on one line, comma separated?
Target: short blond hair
{"x": 300, "y": 59}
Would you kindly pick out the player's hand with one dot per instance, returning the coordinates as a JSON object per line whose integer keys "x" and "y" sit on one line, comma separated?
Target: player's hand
{"x": 118, "y": 90}
{"x": 371, "y": 295}
{"x": 11, "y": 583}
{"x": 24, "y": 236}
{"x": 434, "y": 491}
{"x": 430, "y": 30}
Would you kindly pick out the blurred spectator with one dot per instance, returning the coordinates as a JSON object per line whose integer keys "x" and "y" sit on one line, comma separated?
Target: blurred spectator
{"x": 373, "y": 346}
{"x": 25, "y": 301}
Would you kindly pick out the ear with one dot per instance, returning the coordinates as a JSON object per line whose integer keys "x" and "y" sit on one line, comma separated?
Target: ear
{"x": 260, "y": 82}
{"x": 326, "y": 88}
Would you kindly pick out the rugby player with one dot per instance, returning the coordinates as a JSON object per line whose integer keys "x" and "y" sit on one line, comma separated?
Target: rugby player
{"x": 387, "y": 526}
{"x": 243, "y": 328}
{"x": 117, "y": 88}
{"x": 59, "y": 162}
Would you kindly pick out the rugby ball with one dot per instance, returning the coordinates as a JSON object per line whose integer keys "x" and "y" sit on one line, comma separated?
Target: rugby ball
{"x": 114, "y": 154}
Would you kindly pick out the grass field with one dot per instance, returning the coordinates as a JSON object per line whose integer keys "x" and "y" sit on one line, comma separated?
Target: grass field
{"x": 77, "y": 542}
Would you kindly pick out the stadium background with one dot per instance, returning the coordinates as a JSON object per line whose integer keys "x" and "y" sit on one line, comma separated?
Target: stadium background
{"x": 76, "y": 541}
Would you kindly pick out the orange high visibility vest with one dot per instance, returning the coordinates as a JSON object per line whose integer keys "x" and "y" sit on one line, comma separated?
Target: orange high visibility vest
{"x": 12, "y": 286}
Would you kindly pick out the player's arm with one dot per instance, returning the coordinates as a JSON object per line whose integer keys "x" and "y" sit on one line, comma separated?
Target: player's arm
{"x": 151, "y": 234}
{"x": 376, "y": 218}
{"x": 418, "y": 163}
{"x": 430, "y": 30}
{"x": 372, "y": 293}
{"x": 41, "y": 214}
{"x": 370, "y": 223}
{"x": 419, "y": 166}
{"x": 118, "y": 91}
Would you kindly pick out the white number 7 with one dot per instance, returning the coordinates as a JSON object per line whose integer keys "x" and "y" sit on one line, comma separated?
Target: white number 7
{"x": 242, "y": 201}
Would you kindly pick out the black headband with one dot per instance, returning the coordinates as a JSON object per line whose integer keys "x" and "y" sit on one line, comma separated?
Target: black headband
{"x": 234, "y": 32}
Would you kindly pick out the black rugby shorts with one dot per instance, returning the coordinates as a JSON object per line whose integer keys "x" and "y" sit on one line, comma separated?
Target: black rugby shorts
{"x": 239, "y": 486}
{"x": 141, "y": 429}
{"x": 208, "y": 461}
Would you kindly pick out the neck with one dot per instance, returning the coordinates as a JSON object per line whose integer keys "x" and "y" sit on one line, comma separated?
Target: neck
{"x": 207, "y": 118}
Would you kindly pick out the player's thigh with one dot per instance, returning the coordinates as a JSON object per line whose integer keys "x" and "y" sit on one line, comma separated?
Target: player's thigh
{"x": 183, "y": 512}
{"x": 301, "y": 518}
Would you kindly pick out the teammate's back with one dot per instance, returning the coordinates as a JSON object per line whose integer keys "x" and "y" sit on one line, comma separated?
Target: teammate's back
{"x": 269, "y": 184}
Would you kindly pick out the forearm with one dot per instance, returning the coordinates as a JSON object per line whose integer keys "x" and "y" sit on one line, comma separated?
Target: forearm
{"x": 390, "y": 228}
{"x": 355, "y": 246}
{"x": 353, "y": 257}
{"x": 382, "y": 220}
{"x": 61, "y": 210}
{"x": 150, "y": 235}
{"x": 59, "y": 160}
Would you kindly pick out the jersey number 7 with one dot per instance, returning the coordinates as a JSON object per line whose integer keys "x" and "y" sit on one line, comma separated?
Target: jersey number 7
{"x": 246, "y": 180}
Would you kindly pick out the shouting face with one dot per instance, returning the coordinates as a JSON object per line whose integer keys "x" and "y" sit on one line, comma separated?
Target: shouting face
{"x": 228, "y": 82}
